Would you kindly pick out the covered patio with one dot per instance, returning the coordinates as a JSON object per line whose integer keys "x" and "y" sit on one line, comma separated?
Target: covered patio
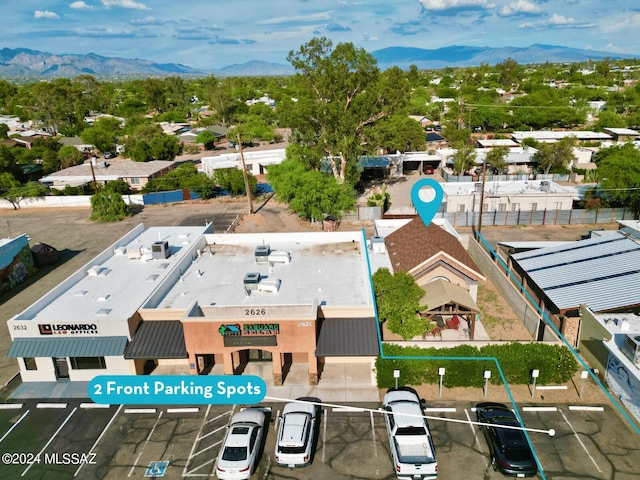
{"x": 451, "y": 311}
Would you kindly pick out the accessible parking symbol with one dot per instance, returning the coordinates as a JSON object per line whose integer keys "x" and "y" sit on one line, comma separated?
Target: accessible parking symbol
{"x": 156, "y": 469}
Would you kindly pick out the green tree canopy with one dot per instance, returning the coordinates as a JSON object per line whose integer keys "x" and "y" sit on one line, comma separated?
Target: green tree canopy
{"x": 309, "y": 193}
{"x": 497, "y": 158}
{"x": 14, "y": 192}
{"x": 341, "y": 95}
{"x": 463, "y": 159}
{"x": 398, "y": 302}
{"x": 68, "y": 156}
{"x": 108, "y": 206}
{"x": 555, "y": 156}
{"x": 619, "y": 172}
{"x": 232, "y": 180}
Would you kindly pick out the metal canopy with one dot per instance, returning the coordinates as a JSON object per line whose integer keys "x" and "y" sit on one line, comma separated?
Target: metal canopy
{"x": 158, "y": 339}
{"x": 67, "y": 347}
{"x": 348, "y": 337}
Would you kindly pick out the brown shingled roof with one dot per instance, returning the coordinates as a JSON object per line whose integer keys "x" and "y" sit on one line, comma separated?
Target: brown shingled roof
{"x": 415, "y": 243}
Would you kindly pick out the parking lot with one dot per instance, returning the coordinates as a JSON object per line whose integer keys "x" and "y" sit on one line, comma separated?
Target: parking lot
{"x": 77, "y": 440}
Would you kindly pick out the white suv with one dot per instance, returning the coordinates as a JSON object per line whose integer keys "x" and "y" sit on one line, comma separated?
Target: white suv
{"x": 296, "y": 434}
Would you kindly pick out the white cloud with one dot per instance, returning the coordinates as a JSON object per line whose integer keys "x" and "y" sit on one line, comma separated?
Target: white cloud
{"x": 560, "y": 20}
{"x": 320, "y": 16}
{"x": 616, "y": 24}
{"x": 447, "y": 4}
{"x": 521, "y": 6}
{"x": 125, "y": 4}
{"x": 45, "y": 14}
{"x": 79, "y": 6}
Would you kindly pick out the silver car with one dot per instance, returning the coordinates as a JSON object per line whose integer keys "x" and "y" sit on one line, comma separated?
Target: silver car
{"x": 296, "y": 434}
{"x": 242, "y": 443}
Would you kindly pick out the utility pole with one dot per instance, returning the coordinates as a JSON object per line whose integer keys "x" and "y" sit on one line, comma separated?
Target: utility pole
{"x": 246, "y": 178}
{"x": 484, "y": 177}
{"x": 93, "y": 174}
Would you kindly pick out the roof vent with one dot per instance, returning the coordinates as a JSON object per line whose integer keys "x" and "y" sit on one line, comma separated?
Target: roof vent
{"x": 160, "y": 250}
{"x": 121, "y": 250}
{"x": 97, "y": 270}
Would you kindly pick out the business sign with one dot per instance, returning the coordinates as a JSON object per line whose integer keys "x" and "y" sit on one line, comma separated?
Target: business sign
{"x": 68, "y": 328}
{"x": 240, "y": 341}
{"x": 249, "y": 329}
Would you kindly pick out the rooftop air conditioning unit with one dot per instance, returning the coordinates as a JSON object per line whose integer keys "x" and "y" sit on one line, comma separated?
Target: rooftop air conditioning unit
{"x": 160, "y": 250}
{"x": 478, "y": 187}
{"x": 270, "y": 285}
{"x": 262, "y": 253}
{"x": 377, "y": 244}
{"x": 545, "y": 186}
{"x": 251, "y": 281}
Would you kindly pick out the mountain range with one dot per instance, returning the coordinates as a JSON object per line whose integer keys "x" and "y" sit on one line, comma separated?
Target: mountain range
{"x": 23, "y": 62}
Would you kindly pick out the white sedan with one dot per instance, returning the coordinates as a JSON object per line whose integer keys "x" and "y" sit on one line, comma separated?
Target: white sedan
{"x": 241, "y": 447}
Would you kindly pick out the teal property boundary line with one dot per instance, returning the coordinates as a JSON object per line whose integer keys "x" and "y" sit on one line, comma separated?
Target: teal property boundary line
{"x": 464, "y": 359}
{"x": 550, "y": 324}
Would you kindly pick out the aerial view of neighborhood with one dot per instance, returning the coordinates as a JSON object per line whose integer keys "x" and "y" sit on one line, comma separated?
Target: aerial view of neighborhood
{"x": 338, "y": 240}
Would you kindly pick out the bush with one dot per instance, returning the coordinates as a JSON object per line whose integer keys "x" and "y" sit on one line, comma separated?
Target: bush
{"x": 555, "y": 363}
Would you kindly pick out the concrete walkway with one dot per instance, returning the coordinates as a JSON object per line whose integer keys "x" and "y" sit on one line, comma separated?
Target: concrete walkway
{"x": 339, "y": 382}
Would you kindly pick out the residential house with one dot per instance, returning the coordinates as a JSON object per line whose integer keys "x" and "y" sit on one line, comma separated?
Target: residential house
{"x": 136, "y": 174}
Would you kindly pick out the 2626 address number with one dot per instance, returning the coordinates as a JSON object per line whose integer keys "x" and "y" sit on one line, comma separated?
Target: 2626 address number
{"x": 255, "y": 311}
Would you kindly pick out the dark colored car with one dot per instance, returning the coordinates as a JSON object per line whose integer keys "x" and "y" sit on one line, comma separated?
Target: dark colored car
{"x": 509, "y": 448}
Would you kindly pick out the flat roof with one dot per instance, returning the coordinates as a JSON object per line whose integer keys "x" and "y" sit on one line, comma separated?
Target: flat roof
{"x": 113, "y": 286}
{"x": 542, "y": 135}
{"x": 115, "y": 169}
{"x": 512, "y": 188}
{"x": 327, "y": 266}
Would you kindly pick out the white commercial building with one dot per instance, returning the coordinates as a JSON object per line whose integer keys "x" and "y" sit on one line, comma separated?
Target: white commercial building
{"x": 255, "y": 161}
{"x": 530, "y": 195}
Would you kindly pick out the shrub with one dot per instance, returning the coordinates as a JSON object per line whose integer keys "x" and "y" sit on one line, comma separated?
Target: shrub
{"x": 555, "y": 363}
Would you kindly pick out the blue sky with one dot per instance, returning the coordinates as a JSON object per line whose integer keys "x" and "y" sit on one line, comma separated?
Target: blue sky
{"x": 211, "y": 34}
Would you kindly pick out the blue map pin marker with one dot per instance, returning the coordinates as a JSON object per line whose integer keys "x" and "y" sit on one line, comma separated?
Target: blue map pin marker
{"x": 427, "y": 210}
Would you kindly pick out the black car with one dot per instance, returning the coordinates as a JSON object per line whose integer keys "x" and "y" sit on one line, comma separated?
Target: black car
{"x": 509, "y": 448}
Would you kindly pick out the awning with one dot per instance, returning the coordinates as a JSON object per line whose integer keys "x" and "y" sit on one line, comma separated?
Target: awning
{"x": 158, "y": 339}
{"x": 68, "y": 347}
{"x": 348, "y": 337}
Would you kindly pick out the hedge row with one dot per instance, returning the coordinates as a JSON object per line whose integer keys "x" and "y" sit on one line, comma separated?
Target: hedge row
{"x": 555, "y": 363}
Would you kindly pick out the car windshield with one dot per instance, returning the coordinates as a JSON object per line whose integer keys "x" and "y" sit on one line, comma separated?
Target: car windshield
{"x": 411, "y": 431}
{"x": 234, "y": 454}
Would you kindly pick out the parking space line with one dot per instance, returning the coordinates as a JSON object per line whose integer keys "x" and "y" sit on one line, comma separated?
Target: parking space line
{"x": 207, "y": 448}
{"x": 92, "y": 405}
{"x": 193, "y": 453}
{"x": 475, "y": 436}
{"x": 14, "y": 425}
{"x": 11, "y": 406}
{"x": 39, "y": 454}
{"x": 324, "y": 434}
{"x": 140, "y": 410}
{"x": 191, "y": 474}
{"x": 539, "y": 409}
{"x": 441, "y": 409}
{"x": 104, "y": 430}
{"x": 183, "y": 410}
{"x": 218, "y": 417}
{"x": 52, "y": 405}
{"x": 586, "y": 408}
{"x": 210, "y": 433}
{"x": 373, "y": 435}
{"x": 584, "y": 447}
{"x": 135, "y": 464}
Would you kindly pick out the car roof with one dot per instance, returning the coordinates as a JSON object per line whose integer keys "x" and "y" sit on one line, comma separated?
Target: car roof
{"x": 397, "y": 395}
{"x": 298, "y": 407}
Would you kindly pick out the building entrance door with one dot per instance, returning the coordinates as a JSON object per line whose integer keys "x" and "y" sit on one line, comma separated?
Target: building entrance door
{"x": 205, "y": 363}
{"x": 61, "y": 367}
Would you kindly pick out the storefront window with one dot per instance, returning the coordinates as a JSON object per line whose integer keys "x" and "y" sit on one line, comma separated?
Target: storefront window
{"x": 30, "y": 363}
{"x": 87, "y": 363}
